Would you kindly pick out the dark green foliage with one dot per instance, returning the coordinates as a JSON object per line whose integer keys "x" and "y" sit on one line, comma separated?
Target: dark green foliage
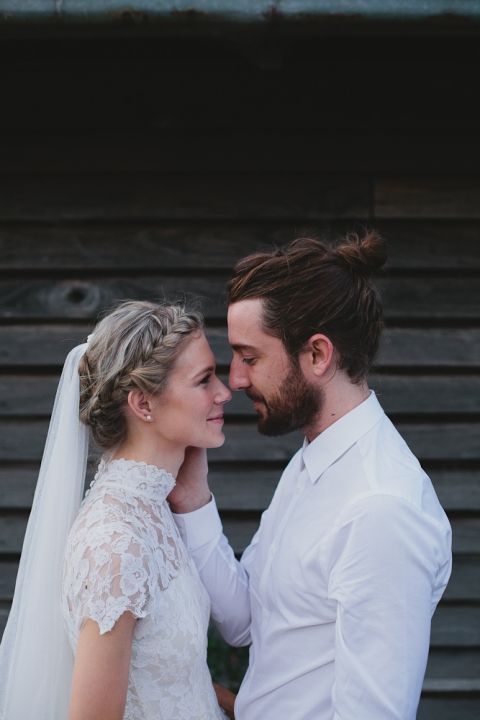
{"x": 227, "y": 664}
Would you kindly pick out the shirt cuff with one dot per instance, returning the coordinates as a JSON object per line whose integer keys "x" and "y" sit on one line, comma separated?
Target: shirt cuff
{"x": 199, "y": 527}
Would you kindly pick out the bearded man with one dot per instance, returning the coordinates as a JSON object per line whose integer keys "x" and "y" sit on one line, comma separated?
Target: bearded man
{"x": 336, "y": 591}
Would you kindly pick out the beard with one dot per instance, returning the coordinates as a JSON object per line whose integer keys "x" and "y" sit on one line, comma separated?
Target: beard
{"x": 295, "y": 406}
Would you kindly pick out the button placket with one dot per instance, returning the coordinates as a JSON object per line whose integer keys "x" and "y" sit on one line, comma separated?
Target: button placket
{"x": 295, "y": 497}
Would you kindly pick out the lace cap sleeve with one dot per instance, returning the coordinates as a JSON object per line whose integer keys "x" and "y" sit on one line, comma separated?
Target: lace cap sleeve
{"x": 109, "y": 575}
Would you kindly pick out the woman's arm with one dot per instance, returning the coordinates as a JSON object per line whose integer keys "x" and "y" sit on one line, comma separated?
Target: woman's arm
{"x": 100, "y": 674}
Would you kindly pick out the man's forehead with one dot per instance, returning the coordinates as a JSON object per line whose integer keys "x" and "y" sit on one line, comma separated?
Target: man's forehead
{"x": 245, "y": 321}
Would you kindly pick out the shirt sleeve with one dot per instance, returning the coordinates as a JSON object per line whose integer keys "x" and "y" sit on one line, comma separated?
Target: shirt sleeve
{"x": 387, "y": 558}
{"x": 110, "y": 576}
{"x": 225, "y": 578}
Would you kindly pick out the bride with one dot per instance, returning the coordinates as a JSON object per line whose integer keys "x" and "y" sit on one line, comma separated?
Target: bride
{"x": 109, "y": 617}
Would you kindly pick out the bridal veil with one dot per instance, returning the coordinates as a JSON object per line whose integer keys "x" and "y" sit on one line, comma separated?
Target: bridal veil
{"x": 36, "y": 661}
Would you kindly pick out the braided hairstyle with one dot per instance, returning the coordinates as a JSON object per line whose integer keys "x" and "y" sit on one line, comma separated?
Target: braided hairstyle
{"x": 311, "y": 287}
{"x": 134, "y": 347}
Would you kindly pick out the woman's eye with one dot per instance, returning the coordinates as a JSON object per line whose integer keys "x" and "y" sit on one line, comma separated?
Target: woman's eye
{"x": 205, "y": 380}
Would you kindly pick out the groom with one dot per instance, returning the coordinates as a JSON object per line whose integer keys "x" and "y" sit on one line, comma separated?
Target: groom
{"x": 336, "y": 591}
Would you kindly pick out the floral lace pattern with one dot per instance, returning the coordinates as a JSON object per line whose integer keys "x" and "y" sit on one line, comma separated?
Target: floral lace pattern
{"x": 124, "y": 553}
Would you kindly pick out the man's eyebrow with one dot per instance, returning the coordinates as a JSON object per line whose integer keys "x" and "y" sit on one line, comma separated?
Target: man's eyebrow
{"x": 241, "y": 346}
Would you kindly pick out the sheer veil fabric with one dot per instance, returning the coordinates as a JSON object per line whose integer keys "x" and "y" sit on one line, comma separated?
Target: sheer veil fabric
{"x": 36, "y": 661}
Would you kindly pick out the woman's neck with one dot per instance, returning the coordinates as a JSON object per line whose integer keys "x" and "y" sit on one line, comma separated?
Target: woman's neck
{"x": 168, "y": 457}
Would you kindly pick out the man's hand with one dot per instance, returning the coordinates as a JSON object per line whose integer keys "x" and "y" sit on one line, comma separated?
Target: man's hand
{"x": 191, "y": 490}
{"x": 226, "y": 699}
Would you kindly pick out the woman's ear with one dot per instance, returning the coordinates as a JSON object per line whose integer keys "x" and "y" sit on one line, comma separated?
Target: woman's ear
{"x": 318, "y": 355}
{"x": 140, "y": 405}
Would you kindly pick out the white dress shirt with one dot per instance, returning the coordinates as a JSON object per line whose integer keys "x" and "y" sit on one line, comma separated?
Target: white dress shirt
{"x": 336, "y": 591}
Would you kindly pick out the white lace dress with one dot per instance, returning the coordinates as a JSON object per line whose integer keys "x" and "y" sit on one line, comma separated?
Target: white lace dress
{"x": 124, "y": 553}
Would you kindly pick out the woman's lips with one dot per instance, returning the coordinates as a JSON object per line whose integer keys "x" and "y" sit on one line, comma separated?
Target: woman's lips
{"x": 217, "y": 419}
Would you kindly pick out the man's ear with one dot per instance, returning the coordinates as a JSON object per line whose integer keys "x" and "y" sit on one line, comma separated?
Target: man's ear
{"x": 318, "y": 355}
{"x": 140, "y": 405}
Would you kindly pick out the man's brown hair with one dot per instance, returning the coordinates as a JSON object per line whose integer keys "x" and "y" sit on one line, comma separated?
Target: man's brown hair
{"x": 311, "y": 287}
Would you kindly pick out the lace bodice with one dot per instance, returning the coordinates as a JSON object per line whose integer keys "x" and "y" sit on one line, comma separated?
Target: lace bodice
{"x": 124, "y": 553}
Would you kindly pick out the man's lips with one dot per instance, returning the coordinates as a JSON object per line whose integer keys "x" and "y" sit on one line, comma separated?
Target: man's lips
{"x": 255, "y": 399}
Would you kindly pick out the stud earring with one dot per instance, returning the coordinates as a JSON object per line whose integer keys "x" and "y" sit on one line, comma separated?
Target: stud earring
{"x": 148, "y": 418}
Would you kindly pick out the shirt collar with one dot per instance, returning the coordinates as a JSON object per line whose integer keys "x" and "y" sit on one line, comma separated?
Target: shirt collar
{"x": 333, "y": 442}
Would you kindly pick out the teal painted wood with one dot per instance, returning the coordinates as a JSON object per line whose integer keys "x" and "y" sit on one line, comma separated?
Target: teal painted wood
{"x": 257, "y": 11}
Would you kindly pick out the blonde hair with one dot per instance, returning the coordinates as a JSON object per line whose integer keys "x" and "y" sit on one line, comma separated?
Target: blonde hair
{"x": 134, "y": 347}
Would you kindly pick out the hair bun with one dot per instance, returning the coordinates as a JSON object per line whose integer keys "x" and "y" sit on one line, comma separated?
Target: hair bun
{"x": 364, "y": 255}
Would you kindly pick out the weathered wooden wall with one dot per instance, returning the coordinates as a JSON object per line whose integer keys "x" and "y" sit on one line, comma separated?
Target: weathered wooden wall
{"x": 134, "y": 167}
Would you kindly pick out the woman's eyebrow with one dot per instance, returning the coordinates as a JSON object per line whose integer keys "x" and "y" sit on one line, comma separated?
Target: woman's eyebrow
{"x": 204, "y": 371}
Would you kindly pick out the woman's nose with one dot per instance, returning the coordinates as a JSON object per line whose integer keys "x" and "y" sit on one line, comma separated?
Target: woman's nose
{"x": 224, "y": 395}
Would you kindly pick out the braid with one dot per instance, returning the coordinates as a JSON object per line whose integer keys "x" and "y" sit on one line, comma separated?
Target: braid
{"x": 135, "y": 347}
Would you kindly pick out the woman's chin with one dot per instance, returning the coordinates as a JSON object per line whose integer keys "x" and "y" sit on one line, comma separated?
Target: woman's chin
{"x": 216, "y": 442}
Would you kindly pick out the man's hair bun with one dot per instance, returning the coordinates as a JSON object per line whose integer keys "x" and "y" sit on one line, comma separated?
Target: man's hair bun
{"x": 365, "y": 255}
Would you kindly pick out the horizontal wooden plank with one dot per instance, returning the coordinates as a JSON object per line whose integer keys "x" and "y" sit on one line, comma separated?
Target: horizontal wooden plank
{"x": 211, "y": 150}
{"x": 457, "y": 490}
{"x": 448, "y": 708}
{"x": 158, "y": 247}
{"x": 43, "y": 345}
{"x": 33, "y": 395}
{"x": 288, "y": 85}
{"x": 465, "y": 532}
{"x": 425, "y": 394}
{"x": 167, "y": 197}
{"x": 445, "y": 664}
{"x": 240, "y": 529}
{"x": 13, "y": 526}
{"x": 434, "y": 347}
{"x": 251, "y": 489}
{"x": 443, "y": 244}
{"x": 433, "y": 197}
{"x": 464, "y": 583}
{"x": 454, "y": 625}
{"x": 430, "y": 298}
{"x": 451, "y": 686}
{"x": 218, "y": 245}
{"x": 4, "y": 615}
{"x": 466, "y": 535}
{"x": 85, "y": 298}
{"x": 17, "y": 486}
{"x": 8, "y": 575}
{"x": 12, "y": 532}
{"x": 24, "y": 440}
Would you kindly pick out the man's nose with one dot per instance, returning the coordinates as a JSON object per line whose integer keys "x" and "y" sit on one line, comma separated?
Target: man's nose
{"x": 238, "y": 377}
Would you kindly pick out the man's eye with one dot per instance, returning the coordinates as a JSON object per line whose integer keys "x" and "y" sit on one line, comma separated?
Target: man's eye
{"x": 248, "y": 360}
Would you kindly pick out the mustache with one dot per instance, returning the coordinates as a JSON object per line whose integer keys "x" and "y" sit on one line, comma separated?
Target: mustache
{"x": 252, "y": 396}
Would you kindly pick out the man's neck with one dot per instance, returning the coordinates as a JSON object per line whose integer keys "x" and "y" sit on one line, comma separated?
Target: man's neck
{"x": 339, "y": 399}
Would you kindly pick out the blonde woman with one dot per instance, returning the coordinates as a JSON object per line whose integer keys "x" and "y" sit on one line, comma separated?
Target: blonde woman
{"x": 109, "y": 618}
